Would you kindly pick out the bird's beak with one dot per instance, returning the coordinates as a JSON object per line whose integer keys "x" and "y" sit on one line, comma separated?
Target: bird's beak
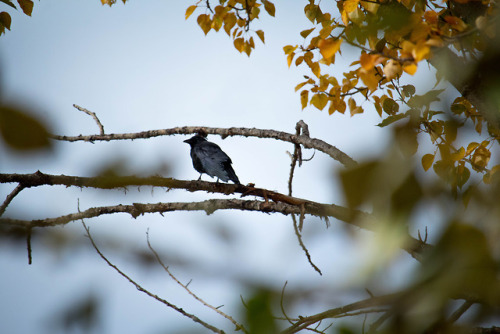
{"x": 186, "y": 141}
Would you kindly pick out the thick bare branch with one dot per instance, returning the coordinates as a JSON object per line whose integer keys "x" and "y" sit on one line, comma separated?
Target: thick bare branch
{"x": 282, "y": 203}
{"x": 303, "y": 140}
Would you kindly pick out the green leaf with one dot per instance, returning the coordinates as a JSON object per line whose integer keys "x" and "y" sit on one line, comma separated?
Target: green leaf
{"x": 390, "y": 106}
{"x": 419, "y": 101}
{"x": 26, "y": 6}
{"x": 391, "y": 119}
{"x": 408, "y": 90}
{"x": 22, "y": 131}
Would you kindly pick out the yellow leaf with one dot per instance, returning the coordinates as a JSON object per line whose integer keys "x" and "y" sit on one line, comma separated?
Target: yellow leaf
{"x": 459, "y": 155}
{"x": 239, "y": 44}
{"x": 328, "y": 47}
{"x": 368, "y": 61}
{"x": 305, "y": 33}
{"x": 269, "y": 7}
{"x": 304, "y": 98}
{"x": 471, "y": 147}
{"x": 392, "y": 69}
{"x": 260, "y": 33}
{"x": 345, "y": 18}
{"x": 289, "y": 49}
{"x": 427, "y": 161}
{"x": 370, "y": 6}
{"x": 204, "y": 23}
{"x": 300, "y": 85}
{"x": 289, "y": 58}
{"x": 369, "y": 78}
{"x": 190, "y": 11}
{"x": 319, "y": 101}
{"x": 431, "y": 17}
{"x": 229, "y": 22}
{"x": 410, "y": 68}
{"x": 480, "y": 158}
{"x": 350, "y": 5}
{"x": 421, "y": 51}
{"x": 315, "y": 69}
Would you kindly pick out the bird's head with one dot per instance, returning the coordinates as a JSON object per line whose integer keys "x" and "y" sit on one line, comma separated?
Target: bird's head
{"x": 195, "y": 140}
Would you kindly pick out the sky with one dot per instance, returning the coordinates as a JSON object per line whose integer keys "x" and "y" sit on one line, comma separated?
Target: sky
{"x": 142, "y": 66}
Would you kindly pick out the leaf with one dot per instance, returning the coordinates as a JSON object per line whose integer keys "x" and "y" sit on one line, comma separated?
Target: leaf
{"x": 8, "y": 2}
{"x": 319, "y": 101}
{"x": 370, "y": 79}
{"x": 427, "y": 161}
{"x": 304, "y": 98}
{"x": 391, "y": 119}
{"x": 480, "y": 158}
{"x": 408, "y": 90}
{"x": 269, "y": 7}
{"x": 260, "y": 33}
{"x": 471, "y": 147}
{"x": 22, "y": 131}
{"x": 410, "y": 68}
{"x": 328, "y": 47}
{"x": 26, "y": 6}
{"x": 367, "y": 61}
{"x": 419, "y": 101}
{"x": 239, "y": 44}
{"x": 458, "y": 155}
{"x": 289, "y": 48}
{"x": 289, "y": 58}
{"x": 5, "y": 20}
{"x": 315, "y": 69}
{"x": 305, "y": 33}
{"x": 190, "y": 11}
{"x": 463, "y": 175}
{"x": 350, "y": 5}
{"x": 392, "y": 69}
{"x": 204, "y": 23}
{"x": 390, "y": 106}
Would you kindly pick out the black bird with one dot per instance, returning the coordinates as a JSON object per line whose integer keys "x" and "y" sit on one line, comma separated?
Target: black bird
{"x": 208, "y": 158}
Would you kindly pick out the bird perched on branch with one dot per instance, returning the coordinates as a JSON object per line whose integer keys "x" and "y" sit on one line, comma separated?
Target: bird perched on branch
{"x": 208, "y": 158}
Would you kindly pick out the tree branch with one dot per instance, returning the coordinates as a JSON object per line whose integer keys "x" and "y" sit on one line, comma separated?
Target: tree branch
{"x": 367, "y": 304}
{"x": 10, "y": 197}
{"x": 281, "y": 203}
{"x": 140, "y": 288}
{"x": 185, "y": 287}
{"x": 303, "y": 140}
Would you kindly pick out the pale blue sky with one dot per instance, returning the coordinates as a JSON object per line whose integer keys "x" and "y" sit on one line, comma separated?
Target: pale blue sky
{"x": 141, "y": 66}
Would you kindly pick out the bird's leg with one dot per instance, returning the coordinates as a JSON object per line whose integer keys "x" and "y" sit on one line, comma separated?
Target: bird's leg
{"x": 199, "y": 177}
{"x": 217, "y": 180}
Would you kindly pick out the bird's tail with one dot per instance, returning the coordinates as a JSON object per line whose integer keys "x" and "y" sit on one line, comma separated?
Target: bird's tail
{"x": 231, "y": 174}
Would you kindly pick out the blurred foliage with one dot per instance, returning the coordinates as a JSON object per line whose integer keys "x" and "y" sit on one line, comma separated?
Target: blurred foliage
{"x": 22, "y": 131}
{"x": 259, "y": 314}
{"x": 5, "y": 18}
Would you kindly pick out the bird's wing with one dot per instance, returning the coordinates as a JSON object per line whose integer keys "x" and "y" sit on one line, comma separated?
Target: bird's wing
{"x": 212, "y": 159}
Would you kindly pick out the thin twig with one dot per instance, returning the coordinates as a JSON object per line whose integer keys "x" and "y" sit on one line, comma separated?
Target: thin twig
{"x": 140, "y": 288}
{"x": 94, "y": 116}
{"x": 10, "y": 197}
{"x": 28, "y": 246}
{"x": 185, "y": 286}
{"x": 304, "y": 248}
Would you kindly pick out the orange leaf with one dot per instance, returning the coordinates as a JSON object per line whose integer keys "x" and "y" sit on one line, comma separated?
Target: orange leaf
{"x": 410, "y": 68}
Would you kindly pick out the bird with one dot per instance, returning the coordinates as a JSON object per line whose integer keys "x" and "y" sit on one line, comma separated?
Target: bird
{"x": 208, "y": 158}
